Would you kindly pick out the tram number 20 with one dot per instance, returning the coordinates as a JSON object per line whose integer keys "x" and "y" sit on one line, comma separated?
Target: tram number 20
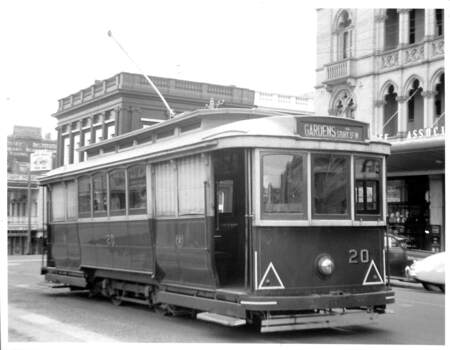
{"x": 356, "y": 256}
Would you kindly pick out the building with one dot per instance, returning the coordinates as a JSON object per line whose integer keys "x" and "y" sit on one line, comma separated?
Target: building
{"x": 127, "y": 102}
{"x": 386, "y": 67}
{"x": 297, "y": 104}
{"x": 25, "y": 217}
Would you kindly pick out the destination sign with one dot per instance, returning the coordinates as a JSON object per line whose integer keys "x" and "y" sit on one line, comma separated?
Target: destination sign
{"x": 330, "y": 131}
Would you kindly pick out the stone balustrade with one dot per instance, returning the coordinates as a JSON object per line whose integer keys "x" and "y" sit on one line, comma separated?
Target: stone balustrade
{"x": 411, "y": 54}
{"x": 167, "y": 86}
{"x": 338, "y": 70}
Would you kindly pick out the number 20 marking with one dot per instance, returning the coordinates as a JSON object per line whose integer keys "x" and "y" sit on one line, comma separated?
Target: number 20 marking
{"x": 363, "y": 256}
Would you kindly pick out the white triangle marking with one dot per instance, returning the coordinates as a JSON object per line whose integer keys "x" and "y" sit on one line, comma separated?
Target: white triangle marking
{"x": 372, "y": 264}
{"x": 271, "y": 267}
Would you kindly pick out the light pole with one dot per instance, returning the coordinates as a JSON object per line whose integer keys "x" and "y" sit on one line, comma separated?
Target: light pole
{"x": 40, "y": 161}
{"x": 28, "y": 243}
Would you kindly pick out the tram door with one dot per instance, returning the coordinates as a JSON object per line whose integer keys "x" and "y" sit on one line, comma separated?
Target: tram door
{"x": 229, "y": 231}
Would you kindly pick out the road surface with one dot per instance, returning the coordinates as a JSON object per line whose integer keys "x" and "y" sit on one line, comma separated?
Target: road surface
{"x": 38, "y": 313}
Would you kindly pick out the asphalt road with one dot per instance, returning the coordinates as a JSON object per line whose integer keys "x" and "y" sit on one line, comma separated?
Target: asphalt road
{"x": 38, "y": 313}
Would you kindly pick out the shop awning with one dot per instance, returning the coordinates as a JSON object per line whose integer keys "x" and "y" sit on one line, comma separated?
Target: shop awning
{"x": 417, "y": 157}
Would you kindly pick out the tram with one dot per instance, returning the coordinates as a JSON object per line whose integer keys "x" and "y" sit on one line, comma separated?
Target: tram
{"x": 239, "y": 216}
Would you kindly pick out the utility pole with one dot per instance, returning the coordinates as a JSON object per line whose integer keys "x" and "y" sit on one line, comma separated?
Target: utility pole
{"x": 28, "y": 242}
{"x": 40, "y": 161}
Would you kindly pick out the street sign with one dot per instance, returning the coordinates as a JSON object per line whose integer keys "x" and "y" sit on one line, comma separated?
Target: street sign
{"x": 40, "y": 161}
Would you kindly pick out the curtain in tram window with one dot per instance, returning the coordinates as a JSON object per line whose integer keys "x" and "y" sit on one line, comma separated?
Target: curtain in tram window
{"x": 165, "y": 189}
{"x": 58, "y": 207}
{"x": 191, "y": 175}
{"x": 72, "y": 202}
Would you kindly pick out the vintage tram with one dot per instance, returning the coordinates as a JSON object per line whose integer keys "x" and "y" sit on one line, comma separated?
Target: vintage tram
{"x": 242, "y": 216}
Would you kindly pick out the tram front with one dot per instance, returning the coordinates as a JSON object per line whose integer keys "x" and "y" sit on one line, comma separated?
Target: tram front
{"x": 317, "y": 240}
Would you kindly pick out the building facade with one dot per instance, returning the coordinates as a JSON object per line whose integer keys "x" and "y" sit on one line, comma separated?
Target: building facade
{"x": 127, "y": 102}
{"x": 26, "y": 200}
{"x": 386, "y": 67}
{"x": 297, "y": 104}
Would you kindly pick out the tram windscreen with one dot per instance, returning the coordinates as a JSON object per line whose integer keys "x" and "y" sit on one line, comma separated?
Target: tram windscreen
{"x": 284, "y": 184}
{"x": 330, "y": 174}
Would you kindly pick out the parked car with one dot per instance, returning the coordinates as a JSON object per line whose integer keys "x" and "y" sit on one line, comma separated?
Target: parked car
{"x": 429, "y": 271}
{"x": 397, "y": 255}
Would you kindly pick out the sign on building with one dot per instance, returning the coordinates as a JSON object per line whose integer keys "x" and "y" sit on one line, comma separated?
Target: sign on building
{"x": 41, "y": 161}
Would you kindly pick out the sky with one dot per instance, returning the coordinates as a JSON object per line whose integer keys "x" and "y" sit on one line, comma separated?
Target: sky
{"x": 56, "y": 48}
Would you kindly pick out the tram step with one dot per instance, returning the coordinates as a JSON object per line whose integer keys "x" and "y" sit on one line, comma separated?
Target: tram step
{"x": 221, "y": 319}
{"x": 135, "y": 300}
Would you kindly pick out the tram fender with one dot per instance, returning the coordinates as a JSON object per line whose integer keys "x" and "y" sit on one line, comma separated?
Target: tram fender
{"x": 204, "y": 304}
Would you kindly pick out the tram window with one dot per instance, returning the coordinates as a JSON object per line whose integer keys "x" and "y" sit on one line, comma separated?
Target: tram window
{"x": 330, "y": 184}
{"x": 84, "y": 196}
{"x": 225, "y": 197}
{"x": 284, "y": 184}
{"x": 99, "y": 194}
{"x": 117, "y": 192}
{"x": 71, "y": 200}
{"x": 58, "y": 207}
{"x": 137, "y": 189}
{"x": 367, "y": 185}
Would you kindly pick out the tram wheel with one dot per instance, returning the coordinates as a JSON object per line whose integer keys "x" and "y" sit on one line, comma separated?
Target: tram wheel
{"x": 116, "y": 299}
{"x": 161, "y": 309}
{"x": 93, "y": 291}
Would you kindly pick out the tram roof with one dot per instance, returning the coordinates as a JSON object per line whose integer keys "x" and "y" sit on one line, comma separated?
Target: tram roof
{"x": 240, "y": 127}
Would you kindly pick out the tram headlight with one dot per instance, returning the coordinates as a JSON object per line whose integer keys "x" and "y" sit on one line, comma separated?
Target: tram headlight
{"x": 325, "y": 265}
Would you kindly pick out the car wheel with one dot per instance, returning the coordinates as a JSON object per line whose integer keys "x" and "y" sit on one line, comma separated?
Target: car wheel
{"x": 442, "y": 287}
{"x": 427, "y": 286}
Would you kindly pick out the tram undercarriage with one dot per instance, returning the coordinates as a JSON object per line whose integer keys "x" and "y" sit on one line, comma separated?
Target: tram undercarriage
{"x": 232, "y": 308}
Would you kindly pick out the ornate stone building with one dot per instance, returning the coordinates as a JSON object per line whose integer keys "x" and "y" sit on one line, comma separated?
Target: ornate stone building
{"x": 386, "y": 67}
{"x": 26, "y": 216}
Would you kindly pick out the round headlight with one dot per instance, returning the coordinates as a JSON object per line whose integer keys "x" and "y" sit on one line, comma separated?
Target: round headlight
{"x": 325, "y": 265}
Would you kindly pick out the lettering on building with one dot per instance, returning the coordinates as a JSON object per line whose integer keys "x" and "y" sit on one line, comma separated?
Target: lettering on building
{"x": 427, "y": 132}
{"x": 420, "y": 133}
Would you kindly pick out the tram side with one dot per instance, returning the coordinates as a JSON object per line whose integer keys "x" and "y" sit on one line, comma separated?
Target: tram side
{"x": 100, "y": 227}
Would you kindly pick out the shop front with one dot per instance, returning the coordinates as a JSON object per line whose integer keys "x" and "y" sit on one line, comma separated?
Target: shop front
{"x": 416, "y": 191}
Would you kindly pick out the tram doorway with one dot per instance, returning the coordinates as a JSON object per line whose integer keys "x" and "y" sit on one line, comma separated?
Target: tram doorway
{"x": 229, "y": 230}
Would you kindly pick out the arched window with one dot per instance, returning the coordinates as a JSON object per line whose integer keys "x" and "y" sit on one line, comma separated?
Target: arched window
{"x": 415, "y": 106}
{"x": 439, "y": 102}
{"x": 344, "y": 35}
{"x": 390, "y": 112}
{"x": 344, "y": 105}
{"x": 391, "y": 25}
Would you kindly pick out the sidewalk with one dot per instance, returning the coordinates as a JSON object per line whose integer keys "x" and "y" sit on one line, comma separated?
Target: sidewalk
{"x": 24, "y": 258}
